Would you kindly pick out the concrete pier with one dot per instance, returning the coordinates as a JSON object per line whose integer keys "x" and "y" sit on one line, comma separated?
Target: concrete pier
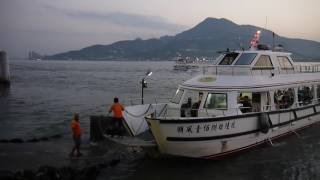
{"x": 4, "y": 69}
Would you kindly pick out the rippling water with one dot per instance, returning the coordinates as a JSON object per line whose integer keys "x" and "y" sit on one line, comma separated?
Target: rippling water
{"x": 291, "y": 158}
{"x": 44, "y": 94}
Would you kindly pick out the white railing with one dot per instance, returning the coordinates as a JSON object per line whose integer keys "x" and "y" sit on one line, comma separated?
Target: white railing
{"x": 137, "y": 101}
{"x": 236, "y": 110}
{"x": 247, "y": 70}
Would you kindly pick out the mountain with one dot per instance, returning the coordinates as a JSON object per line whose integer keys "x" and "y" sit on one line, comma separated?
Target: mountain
{"x": 205, "y": 39}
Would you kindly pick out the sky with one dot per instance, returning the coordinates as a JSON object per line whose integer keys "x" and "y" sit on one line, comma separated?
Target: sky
{"x": 54, "y": 26}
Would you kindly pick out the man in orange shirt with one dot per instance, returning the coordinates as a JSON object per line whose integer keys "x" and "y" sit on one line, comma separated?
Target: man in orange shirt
{"x": 76, "y": 134}
{"x": 117, "y": 119}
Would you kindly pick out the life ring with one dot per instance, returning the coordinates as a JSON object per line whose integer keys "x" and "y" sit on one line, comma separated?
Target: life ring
{"x": 264, "y": 123}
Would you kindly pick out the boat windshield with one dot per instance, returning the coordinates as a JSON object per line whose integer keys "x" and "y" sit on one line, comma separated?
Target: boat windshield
{"x": 246, "y": 58}
{"x": 177, "y": 96}
{"x": 284, "y": 62}
{"x": 228, "y": 59}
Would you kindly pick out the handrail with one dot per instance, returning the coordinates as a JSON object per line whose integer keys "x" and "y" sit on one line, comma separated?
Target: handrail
{"x": 137, "y": 101}
{"x": 265, "y": 108}
{"x": 258, "y": 70}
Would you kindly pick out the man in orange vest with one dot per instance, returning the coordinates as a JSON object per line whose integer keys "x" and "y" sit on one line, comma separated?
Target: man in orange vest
{"x": 76, "y": 134}
{"x": 117, "y": 118}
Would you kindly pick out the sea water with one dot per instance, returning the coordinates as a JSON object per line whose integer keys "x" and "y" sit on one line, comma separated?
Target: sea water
{"x": 44, "y": 94}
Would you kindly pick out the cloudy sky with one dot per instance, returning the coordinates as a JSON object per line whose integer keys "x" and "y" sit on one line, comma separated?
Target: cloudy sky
{"x": 53, "y": 26}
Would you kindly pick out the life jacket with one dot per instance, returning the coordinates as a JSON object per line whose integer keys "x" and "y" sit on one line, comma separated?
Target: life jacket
{"x": 117, "y": 109}
{"x": 76, "y": 130}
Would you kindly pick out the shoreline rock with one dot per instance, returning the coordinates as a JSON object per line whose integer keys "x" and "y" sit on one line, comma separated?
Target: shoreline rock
{"x": 46, "y": 172}
{"x": 32, "y": 140}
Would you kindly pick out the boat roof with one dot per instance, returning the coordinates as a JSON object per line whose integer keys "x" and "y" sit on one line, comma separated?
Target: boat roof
{"x": 252, "y": 62}
{"x": 236, "y": 55}
{"x": 250, "y": 83}
{"x": 264, "y": 52}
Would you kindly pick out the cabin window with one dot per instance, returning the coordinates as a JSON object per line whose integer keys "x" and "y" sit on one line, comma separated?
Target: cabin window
{"x": 246, "y": 58}
{"x": 177, "y": 97}
{"x": 305, "y": 95}
{"x": 245, "y": 101}
{"x": 264, "y": 62}
{"x": 284, "y": 62}
{"x": 284, "y": 98}
{"x": 228, "y": 58}
{"x": 318, "y": 92}
{"x": 191, "y": 103}
{"x": 216, "y": 101}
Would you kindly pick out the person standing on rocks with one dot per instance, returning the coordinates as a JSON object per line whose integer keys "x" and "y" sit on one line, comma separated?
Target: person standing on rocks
{"x": 117, "y": 117}
{"x": 76, "y": 135}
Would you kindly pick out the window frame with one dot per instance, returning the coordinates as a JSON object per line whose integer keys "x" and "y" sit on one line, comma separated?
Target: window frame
{"x": 263, "y": 67}
{"x": 285, "y": 68}
{"x": 205, "y": 102}
{"x": 308, "y": 101}
{"x": 233, "y": 53}
{"x": 277, "y": 103}
{"x": 252, "y": 60}
{"x": 174, "y": 102}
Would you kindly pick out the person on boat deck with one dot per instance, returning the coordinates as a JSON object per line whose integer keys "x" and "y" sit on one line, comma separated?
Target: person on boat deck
{"x": 247, "y": 107}
{"x": 307, "y": 95}
{"x": 117, "y": 117}
{"x": 196, "y": 105}
{"x": 184, "y": 111}
{"x": 76, "y": 135}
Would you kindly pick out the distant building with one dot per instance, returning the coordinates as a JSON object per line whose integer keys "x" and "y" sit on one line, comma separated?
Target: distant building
{"x": 34, "y": 56}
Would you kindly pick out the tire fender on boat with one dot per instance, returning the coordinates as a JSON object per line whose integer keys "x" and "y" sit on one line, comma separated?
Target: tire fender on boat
{"x": 264, "y": 123}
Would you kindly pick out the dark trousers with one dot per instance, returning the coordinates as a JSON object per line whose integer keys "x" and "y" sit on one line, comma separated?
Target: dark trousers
{"x": 77, "y": 141}
{"x": 117, "y": 126}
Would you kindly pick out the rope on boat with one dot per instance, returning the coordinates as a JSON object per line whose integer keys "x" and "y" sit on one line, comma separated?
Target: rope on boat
{"x": 270, "y": 141}
{"x": 298, "y": 135}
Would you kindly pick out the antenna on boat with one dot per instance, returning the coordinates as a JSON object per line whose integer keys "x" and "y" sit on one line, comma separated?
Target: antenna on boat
{"x": 240, "y": 44}
{"x": 266, "y": 23}
{"x": 273, "y": 36}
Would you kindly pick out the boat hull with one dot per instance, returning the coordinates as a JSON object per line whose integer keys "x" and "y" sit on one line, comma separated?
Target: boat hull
{"x": 220, "y": 136}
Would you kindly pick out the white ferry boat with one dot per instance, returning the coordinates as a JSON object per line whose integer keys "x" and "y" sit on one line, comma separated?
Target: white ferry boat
{"x": 246, "y": 99}
{"x": 185, "y": 64}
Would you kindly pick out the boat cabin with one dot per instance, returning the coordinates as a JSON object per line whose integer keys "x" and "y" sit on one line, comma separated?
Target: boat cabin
{"x": 211, "y": 102}
{"x": 257, "y": 59}
{"x": 249, "y": 81}
{"x": 253, "y": 62}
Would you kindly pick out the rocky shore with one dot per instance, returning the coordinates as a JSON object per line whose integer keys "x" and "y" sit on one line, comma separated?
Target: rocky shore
{"x": 48, "y": 159}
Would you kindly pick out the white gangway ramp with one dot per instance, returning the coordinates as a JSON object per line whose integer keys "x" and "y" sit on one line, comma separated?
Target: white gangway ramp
{"x": 134, "y": 116}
